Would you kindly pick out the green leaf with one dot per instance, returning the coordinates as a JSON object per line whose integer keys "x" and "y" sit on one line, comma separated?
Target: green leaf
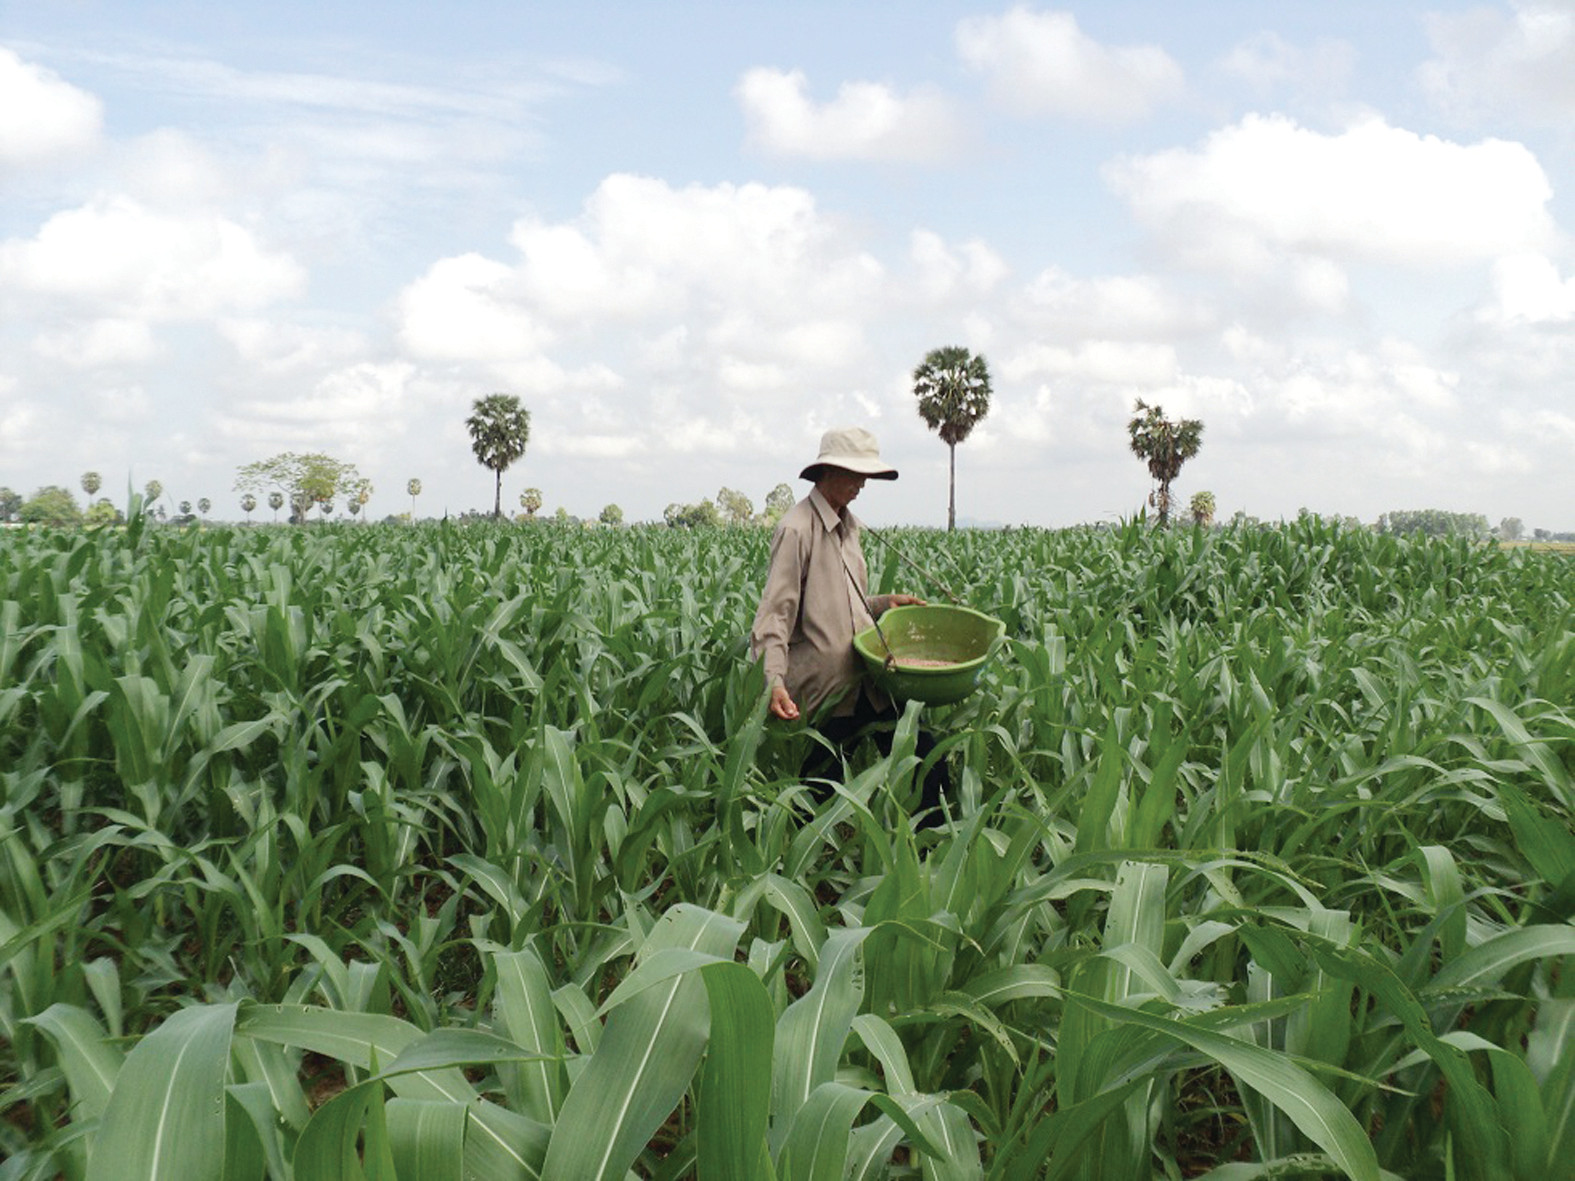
{"x": 1310, "y": 1106}
{"x": 165, "y": 1118}
{"x": 427, "y": 1138}
{"x": 735, "y": 1093}
{"x": 645, "y": 1059}
{"x": 88, "y": 1059}
{"x": 1487, "y": 962}
{"x": 812, "y": 1030}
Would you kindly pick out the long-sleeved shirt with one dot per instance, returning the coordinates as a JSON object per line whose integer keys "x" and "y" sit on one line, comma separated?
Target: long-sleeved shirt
{"x": 811, "y": 608}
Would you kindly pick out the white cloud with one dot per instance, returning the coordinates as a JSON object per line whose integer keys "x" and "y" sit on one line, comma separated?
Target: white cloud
{"x": 168, "y": 169}
{"x": 285, "y": 348}
{"x": 466, "y": 308}
{"x": 1138, "y": 366}
{"x": 122, "y": 404}
{"x": 42, "y": 117}
{"x": 1528, "y": 287}
{"x": 695, "y": 277}
{"x": 1042, "y": 63}
{"x": 1521, "y": 63}
{"x": 99, "y": 343}
{"x": 1267, "y": 189}
{"x": 1266, "y": 62}
{"x": 1122, "y": 307}
{"x": 119, "y": 258}
{"x": 866, "y": 121}
{"x": 972, "y": 269}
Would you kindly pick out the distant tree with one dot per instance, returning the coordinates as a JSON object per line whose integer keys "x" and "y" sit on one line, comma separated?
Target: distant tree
{"x": 102, "y": 512}
{"x": 151, "y": 492}
{"x": 91, "y": 483}
{"x": 778, "y": 501}
{"x": 530, "y": 501}
{"x": 499, "y": 430}
{"x": 10, "y": 504}
{"x": 248, "y": 505}
{"x": 1434, "y": 522}
{"x": 185, "y": 508}
{"x": 303, "y": 480}
{"x": 327, "y": 507}
{"x": 953, "y": 388}
{"x": 692, "y": 516}
{"x": 611, "y": 515}
{"x": 358, "y": 494}
{"x": 735, "y": 507}
{"x": 1202, "y": 509}
{"x": 276, "y": 502}
{"x": 203, "y": 505}
{"x": 414, "y": 489}
{"x": 1163, "y": 445}
{"x": 51, "y": 505}
{"x": 1512, "y": 529}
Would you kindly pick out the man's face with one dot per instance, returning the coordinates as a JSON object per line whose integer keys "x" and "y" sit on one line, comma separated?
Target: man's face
{"x": 840, "y": 487}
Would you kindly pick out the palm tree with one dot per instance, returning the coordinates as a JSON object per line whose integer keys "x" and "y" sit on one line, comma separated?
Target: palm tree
{"x": 276, "y": 502}
{"x": 1164, "y": 445}
{"x": 499, "y": 429}
{"x": 414, "y": 488}
{"x": 203, "y": 505}
{"x": 91, "y": 482}
{"x": 530, "y": 501}
{"x": 1202, "y": 508}
{"x": 248, "y": 503}
{"x": 953, "y": 388}
{"x": 151, "y": 492}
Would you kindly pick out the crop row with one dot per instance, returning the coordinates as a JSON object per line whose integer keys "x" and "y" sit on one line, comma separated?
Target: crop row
{"x": 436, "y": 851}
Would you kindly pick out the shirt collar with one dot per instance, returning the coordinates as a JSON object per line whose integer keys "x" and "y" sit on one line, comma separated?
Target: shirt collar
{"x": 828, "y": 515}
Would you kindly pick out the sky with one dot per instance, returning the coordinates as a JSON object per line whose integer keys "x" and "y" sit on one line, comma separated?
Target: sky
{"x": 692, "y": 236}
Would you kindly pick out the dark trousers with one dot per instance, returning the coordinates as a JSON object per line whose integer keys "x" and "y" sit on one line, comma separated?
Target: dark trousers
{"x": 846, "y": 732}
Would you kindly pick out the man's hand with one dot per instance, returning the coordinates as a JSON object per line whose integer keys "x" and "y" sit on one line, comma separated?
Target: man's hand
{"x": 907, "y": 601}
{"x": 782, "y": 704}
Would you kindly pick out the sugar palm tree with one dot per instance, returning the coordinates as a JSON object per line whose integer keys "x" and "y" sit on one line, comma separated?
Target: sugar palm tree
{"x": 91, "y": 483}
{"x": 953, "y": 388}
{"x": 276, "y": 502}
{"x": 499, "y": 430}
{"x": 1164, "y": 445}
{"x": 414, "y": 488}
{"x": 530, "y": 501}
{"x": 248, "y": 503}
{"x": 1202, "y": 508}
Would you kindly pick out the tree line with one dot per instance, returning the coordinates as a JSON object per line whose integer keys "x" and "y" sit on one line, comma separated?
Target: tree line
{"x": 952, "y": 389}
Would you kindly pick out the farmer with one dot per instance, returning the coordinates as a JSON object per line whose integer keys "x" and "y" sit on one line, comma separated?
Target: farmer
{"x": 815, "y": 601}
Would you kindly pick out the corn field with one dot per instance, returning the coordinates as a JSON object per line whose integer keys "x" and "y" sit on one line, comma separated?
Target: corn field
{"x": 431, "y": 852}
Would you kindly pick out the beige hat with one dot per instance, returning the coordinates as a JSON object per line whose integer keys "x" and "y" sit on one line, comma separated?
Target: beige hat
{"x": 853, "y": 449}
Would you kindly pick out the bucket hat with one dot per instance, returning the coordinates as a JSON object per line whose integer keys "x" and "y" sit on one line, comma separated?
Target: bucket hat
{"x": 853, "y": 449}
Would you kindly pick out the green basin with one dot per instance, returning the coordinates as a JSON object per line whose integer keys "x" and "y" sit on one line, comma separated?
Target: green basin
{"x": 960, "y": 637}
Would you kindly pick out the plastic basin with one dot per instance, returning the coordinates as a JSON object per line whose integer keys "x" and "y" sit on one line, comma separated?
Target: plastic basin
{"x": 959, "y": 640}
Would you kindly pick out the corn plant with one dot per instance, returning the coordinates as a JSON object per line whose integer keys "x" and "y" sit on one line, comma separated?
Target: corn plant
{"x": 436, "y": 851}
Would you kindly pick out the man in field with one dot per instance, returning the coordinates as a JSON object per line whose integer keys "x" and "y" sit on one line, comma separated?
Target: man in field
{"x": 816, "y": 600}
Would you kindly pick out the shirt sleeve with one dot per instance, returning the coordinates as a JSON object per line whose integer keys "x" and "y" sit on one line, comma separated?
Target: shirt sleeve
{"x": 779, "y": 605}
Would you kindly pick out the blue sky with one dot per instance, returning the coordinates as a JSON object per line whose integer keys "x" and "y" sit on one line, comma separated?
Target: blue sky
{"x": 693, "y": 236}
